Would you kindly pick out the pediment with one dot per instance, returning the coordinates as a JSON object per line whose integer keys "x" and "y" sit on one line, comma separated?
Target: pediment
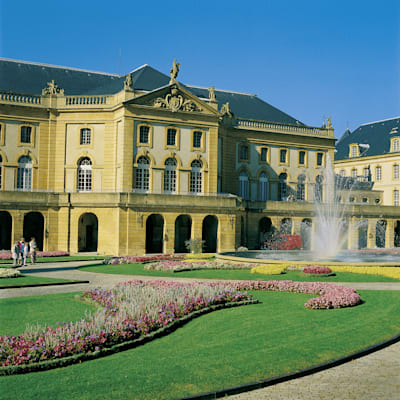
{"x": 173, "y": 98}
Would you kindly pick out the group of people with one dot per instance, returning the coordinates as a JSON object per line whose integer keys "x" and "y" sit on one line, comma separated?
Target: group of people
{"x": 22, "y": 249}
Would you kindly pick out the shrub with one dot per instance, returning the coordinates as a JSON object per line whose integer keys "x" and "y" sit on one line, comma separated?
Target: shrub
{"x": 317, "y": 270}
{"x": 269, "y": 269}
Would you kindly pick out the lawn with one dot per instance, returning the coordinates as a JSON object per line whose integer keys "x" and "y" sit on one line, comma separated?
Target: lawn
{"x": 56, "y": 259}
{"x": 222, "y": 349}
{"x": 29, "y": 280}
{"x": 138, "y": 269}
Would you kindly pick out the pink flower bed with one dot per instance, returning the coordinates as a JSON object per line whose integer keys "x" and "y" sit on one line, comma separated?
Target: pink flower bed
{"x": 58, "y": 253}
{"x": 141, "y": 259}
{"x": 316, "y": 269}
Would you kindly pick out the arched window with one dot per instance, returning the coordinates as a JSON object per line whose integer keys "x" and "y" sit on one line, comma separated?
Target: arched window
{"x": 85, "y": 136}
{"x": 84, "y": 183}
{"x": 319, "y": 188}
{"x": 143, "y": 174}
{"x": 24, "y": 173}
{"x": 301, "y": 187}
{"x": 170, "y": 175}
{"x": 263, "y": 187}
{"x": 196, "y": 177}
{"x": 282, "y": 186}
{"x": 1, "y": 172}
{"x": 244, "y": 185}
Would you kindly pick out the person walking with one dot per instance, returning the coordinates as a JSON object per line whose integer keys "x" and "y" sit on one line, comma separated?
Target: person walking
{"x": 21, "y": 251}
{"x": 25, "y": 253}
{"x": 32, "y": 248}
{"x": 15, "y": 253}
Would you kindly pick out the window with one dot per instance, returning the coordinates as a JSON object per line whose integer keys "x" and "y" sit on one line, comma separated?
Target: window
{"x": 143, "y": 174}
{"x": 283, "y": 156}
{"x": 170, "y": 176}
{"x": 144, "y": 134}
{"x": 396, "y": 171}
{"x": 197, "y": 139}
{"x": 85, "y": 136}
{"x": 171, "y": 137}
{"x": 84, "y": 175}
{"x": 301, "y": 187}
{"x": 354, "y": 151}
{"x": 26, "y": 133}
{"x": 342, "y": 173}
{"x": 244, "y": 185}
{"x": 365, "y": 200}
{"x": 354, "y": 173}
{"x": 263, "y": 187}
{"x": 320, "y": 159}
{"x": 1, "y": 171}
{"x": 24, "y": 173}
{"x": 244, "y": 153}
{"x": 319, "y": 188}
{"x": 302, "y": 157}
{"x": 264, "y": 154}
{"x": 196, "y": 177}
{"x": 282, "y": 186}
{"x": 378, "y": 172}
{"x": 351, "y": 199}
{"x": 395, "y": 197}
{"x": 366, "y": 174}
{"x": 395, "y": 145}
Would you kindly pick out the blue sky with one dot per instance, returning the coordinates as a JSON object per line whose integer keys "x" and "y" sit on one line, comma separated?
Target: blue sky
{"x": 309, "y": 58}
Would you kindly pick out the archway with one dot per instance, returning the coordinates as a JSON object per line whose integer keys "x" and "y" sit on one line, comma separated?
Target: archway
{"x": 397, "y": 234}
{"x": 265, "y": 230}
{"x": 154, "y": 233}
{"x": 363, "y": 234}
{"x": 305, "y": 232}
{"x": 209, "y": 233}
{"x": 87, "y": 232}
{"x": 286, "y": 226}
{"x": 380, "y": 233}
{"x": 34, "y": 227}
{"x": 183, "y": 232}
{"x": 5, "y": 230}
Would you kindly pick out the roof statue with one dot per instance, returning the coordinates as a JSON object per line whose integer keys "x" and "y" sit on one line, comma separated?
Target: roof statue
{"x": 225, "y": 110}
{"x": 128, "y": 82}
{"x": 52, "y": 88}
{"x": 328, "y": 124}
{"x": 211, "y": 94}
{"x": 174, "y": 71}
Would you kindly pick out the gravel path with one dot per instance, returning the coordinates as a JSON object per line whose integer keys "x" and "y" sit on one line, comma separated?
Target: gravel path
{"x": 373, "y": 377}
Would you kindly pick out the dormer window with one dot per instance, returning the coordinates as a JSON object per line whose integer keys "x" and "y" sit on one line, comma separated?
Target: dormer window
{"x": 354, "y": 150}
{"x": 395, "y": 144}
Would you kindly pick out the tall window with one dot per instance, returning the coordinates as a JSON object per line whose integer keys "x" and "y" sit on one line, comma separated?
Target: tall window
{"x": 171, "y": 137}
{"x": 302, "y": 157}
{"x": 396, "y": 171}
{"x": 378, "y": 173}
{"x": 395, "y": 145}
{"x": 283, "y": 156}
{"x": 244, "y": 152}
{"x": 395, "y": 197}
{"x": 84, "y": 175}
{"x": 196, "y": 177}
{"x": 85, "y": 136}
{"x": 197, "y": 139}
{"x": 144, "y": 134}
{"x": 342, "y": 173}
{"x": 1, "y": 172}
{"x": 282, "y": 186}
{"x": 301, "y": 187}
{"x": 320, "y": 159}
{"x": 244, "y": 185}
{"x": 263, "y": 187}
{"x": 319, "y": 188}
{"x": 264, "y": 154}
{"x": 366, "y": 174}
{"x": 170, "y": 175}
{"x": 26, "y": 132}
{"x": 143, "y": 174}
{"x": 354, "y": 173}
{"x": 24, "y": 173}
{"x": 354, "y": 151}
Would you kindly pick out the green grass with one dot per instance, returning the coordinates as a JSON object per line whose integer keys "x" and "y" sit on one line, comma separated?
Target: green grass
{"x": 16, "y": 312}
{"x": 138, "y": 269}
{"x": 30, "y": 280}
{"x": 222, "y": 349}
{"x": 58, "y": 259}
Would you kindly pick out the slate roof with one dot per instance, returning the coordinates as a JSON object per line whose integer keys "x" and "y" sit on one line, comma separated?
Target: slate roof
{"x": 375, "y": 134}
{"x": 30, "y": 78}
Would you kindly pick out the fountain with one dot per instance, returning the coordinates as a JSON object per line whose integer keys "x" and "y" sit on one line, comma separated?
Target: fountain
{"x": 330, "y": 233}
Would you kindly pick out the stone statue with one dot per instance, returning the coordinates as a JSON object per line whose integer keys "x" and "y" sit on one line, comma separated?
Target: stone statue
{"x": 225, "y": 110}
{"x": 328, "y": 124}
{"x": 128, "y": 82}
{"x": 211, "y": 94}
{"x": 52, "y": 88}
{"x": 174, "y": 71}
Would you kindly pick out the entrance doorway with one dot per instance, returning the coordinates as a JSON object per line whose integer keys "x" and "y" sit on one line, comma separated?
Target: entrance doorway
{"x": 5, "y": 230}
{"x": 34, "y": 227}
{"x": 183, "y": 232}
{"x": 154, "y": 233}
{"x": 87, "y": 232}
{"x": 209, "y": 234}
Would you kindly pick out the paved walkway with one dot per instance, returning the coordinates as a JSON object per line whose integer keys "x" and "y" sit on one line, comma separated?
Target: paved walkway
{"x": 373, "y": 377}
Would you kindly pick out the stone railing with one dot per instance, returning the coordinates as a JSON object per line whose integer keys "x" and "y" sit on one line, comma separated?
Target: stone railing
{"x": 283, "y": 128}
{"x": 87, "y": 100}
{"x": 19, "y": 98}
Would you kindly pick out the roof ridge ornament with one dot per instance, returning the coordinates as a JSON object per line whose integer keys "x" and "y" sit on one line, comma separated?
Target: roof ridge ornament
{"x": 128, "y": 82}
{"x": 327, "y": 123}
{"x": 174, "y": 72}
{"x": 226, "y": 110}
{"x": 52, "y": 89}
{"x": 211, "y": 93}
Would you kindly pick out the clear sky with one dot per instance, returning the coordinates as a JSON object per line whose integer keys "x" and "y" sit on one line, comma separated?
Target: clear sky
{"x": 309, "y": 58}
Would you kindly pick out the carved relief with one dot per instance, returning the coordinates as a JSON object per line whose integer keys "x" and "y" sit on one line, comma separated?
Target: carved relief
{"x": 52, "y": 89}
{"x": 226, "y": 110}
{"x": 175, "y": 102}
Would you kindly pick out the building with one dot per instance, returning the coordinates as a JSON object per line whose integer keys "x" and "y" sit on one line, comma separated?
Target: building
{"x": 141, "y": 163}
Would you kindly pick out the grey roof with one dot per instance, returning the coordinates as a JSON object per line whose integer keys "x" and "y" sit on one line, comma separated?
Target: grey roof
{"x": 375, "y": 136}
{"x": 30, "y": 78}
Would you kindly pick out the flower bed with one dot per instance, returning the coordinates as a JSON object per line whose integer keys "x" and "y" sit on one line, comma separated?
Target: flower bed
{"x": 58, "y": 253}
{"x": 143, "y": 259}
{"x": 390, "y": 272}
{"x": 269, "y": 269}
{"x": 9, "y": 273}
{"x": 179, "y": 266}
{"x": 199, "y": 256}
{"x": 317, "y": 270}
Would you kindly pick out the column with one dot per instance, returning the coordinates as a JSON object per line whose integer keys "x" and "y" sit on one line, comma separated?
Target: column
{"x": 371, "y": 236}
{"x": 353, "y": 234}
{"x": 169, "y": 233}
{"x": 389, "y": 236}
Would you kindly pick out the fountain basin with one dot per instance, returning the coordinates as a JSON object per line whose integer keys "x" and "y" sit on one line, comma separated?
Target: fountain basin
{"x": 387, "y": 258}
